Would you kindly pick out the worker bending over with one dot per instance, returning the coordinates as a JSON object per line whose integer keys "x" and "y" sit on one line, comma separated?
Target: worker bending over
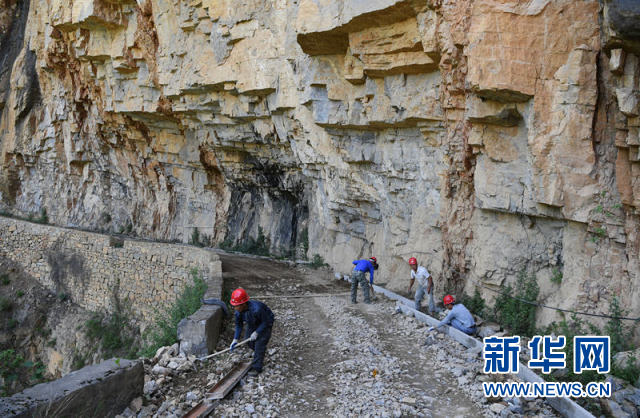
{"x": 458, "y": 317}
{"x": 259, "y": 319}
{"x": 425, "y": 285}
{"x": 358, "y": 276}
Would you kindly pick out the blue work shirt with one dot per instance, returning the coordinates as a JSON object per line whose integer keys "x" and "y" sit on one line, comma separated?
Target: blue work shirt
{"x": 364, "y": 265}
{"x": 460, "y": 313}
{"x": 258, "y": 317}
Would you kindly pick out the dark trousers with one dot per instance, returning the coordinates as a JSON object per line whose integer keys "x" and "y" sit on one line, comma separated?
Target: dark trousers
{"x": 259, "y": 347}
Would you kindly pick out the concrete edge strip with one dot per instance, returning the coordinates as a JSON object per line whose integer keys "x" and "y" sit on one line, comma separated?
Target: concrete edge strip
{"x": 565, "y": 406}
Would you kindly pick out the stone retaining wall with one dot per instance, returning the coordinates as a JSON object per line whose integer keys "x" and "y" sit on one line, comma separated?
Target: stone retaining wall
{"x": 98, "y": 270}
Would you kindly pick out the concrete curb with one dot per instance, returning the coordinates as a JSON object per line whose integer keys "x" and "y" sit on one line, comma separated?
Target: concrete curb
{"x": 564, "y": 406}
{"x": 198, "y": 333}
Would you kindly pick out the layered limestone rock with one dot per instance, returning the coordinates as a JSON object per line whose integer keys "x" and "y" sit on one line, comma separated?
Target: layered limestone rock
{"x": 483, "y": 137}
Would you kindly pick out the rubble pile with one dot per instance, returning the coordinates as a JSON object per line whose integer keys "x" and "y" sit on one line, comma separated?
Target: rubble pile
{"x": 369, "y": 361}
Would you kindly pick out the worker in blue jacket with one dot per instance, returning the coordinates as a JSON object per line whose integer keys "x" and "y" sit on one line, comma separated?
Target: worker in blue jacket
{"x": 358, "y": 276}
{"x": 259, "y": 319}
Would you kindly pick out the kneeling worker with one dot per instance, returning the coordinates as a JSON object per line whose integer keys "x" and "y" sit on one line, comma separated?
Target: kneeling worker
{"x": 459, "y": 317}
{"x": 259, "y": 320}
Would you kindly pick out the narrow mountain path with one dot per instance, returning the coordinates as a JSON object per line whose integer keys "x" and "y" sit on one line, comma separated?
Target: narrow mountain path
{"x": 328, "y": 357}
{"x": 334, "y": 358}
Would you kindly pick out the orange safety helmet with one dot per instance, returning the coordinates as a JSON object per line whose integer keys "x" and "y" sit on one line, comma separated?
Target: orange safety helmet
{"x": 413, "y": 261}
{"x": 448, "y": 300}
{"x": 239, "y": 296}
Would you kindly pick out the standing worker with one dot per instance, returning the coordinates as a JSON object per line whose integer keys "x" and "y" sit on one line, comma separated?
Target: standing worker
{"x": 459, "y": 317}
{"x": 425, "y": 285}
{"x": 358, "y": 276}
{"x": 259, "y": 319}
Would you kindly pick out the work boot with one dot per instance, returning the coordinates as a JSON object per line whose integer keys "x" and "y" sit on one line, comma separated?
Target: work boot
{"x": 353, "y": 302}
{"x": 253, "y": 373}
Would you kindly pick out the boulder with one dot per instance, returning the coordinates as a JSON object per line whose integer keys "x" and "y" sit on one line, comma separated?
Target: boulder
{"x": 198, "y": 333}
{"x": 623, "y": 358}
{"x": 104, "y": 389}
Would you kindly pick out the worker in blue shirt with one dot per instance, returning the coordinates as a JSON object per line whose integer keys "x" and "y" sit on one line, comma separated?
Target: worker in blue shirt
{"x": 358, "y": 276}
{"x": 259, "y": 319}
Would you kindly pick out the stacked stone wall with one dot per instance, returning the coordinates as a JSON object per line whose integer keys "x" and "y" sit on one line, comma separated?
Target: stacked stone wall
{"x": 99, "y": 271}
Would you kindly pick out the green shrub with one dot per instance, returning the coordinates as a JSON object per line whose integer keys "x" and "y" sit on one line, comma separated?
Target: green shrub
{"x": 4, "y": 279}
{"x": 37, "y": 370}
{"x": 43, "y": 219}
{"x": 474, "y": 303}
{"x": 78, "y": 361}
{"x": 556, "y": 276}
{"x": 615, "y": 330}
{"x": 227, "y": 244}
{"x": 195, "y": 238}
{"x": 12, "y": 323}
{"x": 13, "y": 367}
{"x": 164, "y": 331}
{"x": 257, "y": 246}
{"x": 5, "y": 304}
{"x": 19, "y": 293}
{"x": 317, "y": 261}
{"x": 304, "y": 241}
{"x": 113, "y": 333}
{"x": 618, "y": 336}
{"x": 10, "y": 364}
{"x": 570, "y": 329}
{"x": 518, "y": 316}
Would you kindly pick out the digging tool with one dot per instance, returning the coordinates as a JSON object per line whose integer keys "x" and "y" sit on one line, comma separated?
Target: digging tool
{"x": 224, "y": 351}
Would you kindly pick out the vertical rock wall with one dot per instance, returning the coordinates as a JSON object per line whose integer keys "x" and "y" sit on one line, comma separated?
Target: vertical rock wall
{"x": 482, "y": 137}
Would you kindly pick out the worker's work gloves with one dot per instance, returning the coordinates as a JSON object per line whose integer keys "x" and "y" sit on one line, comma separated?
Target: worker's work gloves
{"x": 254, "y": 336}
{"x": 431, "y": 329}
{"x": 233, "y": 345}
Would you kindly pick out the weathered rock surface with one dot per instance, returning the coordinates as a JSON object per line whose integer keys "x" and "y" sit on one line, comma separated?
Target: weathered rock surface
{"x": 482, "y": 137}
{"x": 103, "y": 389}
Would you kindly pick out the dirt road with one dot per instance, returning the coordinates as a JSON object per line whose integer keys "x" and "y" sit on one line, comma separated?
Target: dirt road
{"x": 329, "y": 357}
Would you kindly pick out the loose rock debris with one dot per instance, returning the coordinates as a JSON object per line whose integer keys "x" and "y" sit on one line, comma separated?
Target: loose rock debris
{"x": 327, "y": 357}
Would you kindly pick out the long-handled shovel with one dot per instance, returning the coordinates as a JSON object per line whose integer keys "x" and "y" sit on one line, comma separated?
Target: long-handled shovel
{"x": 224, "y": 351}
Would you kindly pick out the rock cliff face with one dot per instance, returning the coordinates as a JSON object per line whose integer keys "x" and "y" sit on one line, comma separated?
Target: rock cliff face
{"x": 484, "y": 137}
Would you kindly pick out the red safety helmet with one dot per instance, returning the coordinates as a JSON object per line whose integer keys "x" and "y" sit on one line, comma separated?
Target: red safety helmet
{"x": 239, "y": 296}
{"x": 413, "y": 261}
{"x": 375, "y": 262}
{"x": 448, "y": 300}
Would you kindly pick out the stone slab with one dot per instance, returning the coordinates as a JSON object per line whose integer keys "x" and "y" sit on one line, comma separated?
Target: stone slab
{"x": 103, "y": 389}
{"x": 198, "y": 334}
